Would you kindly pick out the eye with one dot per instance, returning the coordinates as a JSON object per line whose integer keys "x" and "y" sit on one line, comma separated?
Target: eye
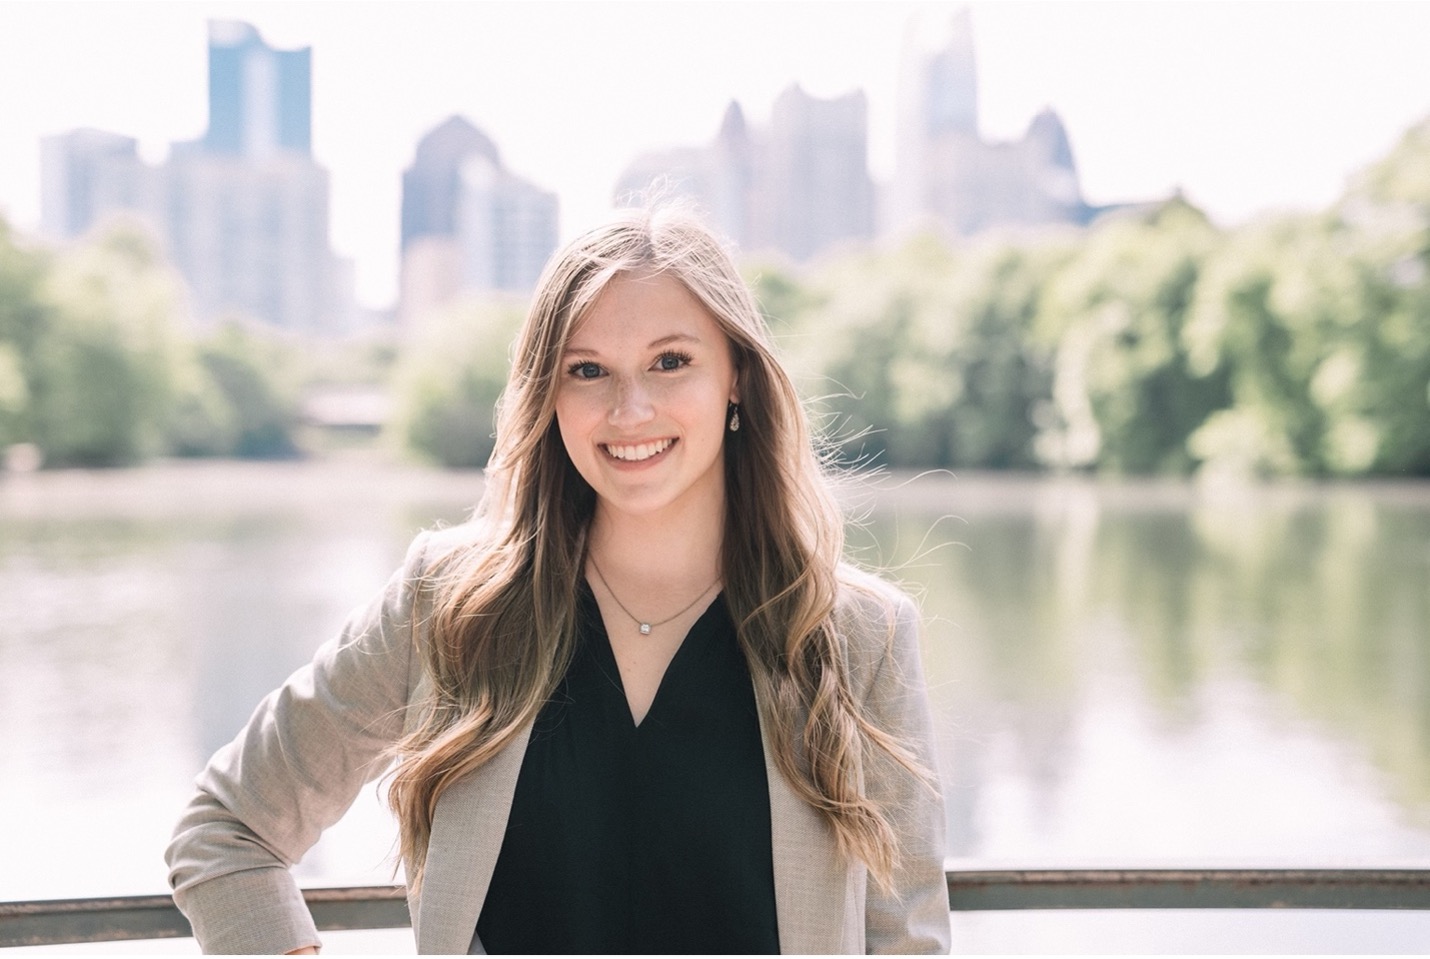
{"x": 670, "y": 362}
{"x": 585, "y": 371}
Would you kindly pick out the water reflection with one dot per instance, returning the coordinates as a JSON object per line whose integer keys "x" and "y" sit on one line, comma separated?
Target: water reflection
{"x": 1155, "y": 672}
{"x": 1123, "y": 673}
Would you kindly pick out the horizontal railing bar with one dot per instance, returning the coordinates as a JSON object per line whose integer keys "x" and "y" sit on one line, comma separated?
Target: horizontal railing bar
{"x": 61, "y": 921}
{"x": 999, "y": 889}
{"x": 58, "y": 921}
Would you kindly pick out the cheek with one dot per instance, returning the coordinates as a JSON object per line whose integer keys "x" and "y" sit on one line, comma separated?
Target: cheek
{"x": 569, "y": 423}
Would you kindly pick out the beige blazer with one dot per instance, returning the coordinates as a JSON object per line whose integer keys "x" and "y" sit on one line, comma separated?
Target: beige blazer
{"x": 312, "y": 744}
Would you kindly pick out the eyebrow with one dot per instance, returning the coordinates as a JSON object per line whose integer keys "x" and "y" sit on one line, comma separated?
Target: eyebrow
{"x": 653, "y": 345}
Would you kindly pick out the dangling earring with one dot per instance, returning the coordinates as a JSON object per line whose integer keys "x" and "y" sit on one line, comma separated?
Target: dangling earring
{"x": 734, "y": 418}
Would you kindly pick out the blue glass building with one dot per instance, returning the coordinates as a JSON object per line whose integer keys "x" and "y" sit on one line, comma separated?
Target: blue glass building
{"x": 260, "y": 99}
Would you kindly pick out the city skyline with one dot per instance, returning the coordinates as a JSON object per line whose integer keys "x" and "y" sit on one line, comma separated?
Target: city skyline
{"x": 1243, "y": 107}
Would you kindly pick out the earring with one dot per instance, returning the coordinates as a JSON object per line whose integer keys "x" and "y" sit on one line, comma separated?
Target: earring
{"x": 734, "y": 418}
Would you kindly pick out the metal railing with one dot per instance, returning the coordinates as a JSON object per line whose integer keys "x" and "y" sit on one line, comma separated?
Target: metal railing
{"x": 61, "y": 921}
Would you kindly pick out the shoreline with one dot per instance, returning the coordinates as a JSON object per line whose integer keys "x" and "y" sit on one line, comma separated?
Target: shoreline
{"x": 177, "y": 487}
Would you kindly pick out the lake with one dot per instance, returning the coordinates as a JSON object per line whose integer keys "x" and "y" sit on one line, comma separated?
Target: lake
{"x": 1139, "y": 673}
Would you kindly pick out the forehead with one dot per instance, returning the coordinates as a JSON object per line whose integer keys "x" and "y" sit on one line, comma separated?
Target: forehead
{"x": 644, "y": 306}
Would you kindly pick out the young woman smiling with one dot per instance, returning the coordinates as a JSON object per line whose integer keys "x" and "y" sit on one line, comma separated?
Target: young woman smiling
{"x": 638, "y": 704}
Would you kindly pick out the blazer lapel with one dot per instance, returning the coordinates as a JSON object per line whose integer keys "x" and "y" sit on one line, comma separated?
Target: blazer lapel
{"x": 816, "y": 894}
{"x": 467, "y": 832}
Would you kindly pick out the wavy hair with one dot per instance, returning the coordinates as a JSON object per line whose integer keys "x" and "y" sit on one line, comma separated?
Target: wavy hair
{"x": 502, "y": 626}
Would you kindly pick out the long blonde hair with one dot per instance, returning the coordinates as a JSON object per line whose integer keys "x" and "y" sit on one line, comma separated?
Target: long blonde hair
{"x": 502, "y": 627}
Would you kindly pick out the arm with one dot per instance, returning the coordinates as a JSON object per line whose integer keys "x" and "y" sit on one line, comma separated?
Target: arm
{"x": 912, "y": 917}
{"x": 265, "y": 798}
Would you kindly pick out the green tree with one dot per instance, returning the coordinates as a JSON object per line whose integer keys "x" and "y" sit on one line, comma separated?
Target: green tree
{"x": 23, "y": 315}
{"x": 925, "y": 356}
{"x": 1322, "y": 326}
{"x": 245, "y": 402}
{"x": 1127, "y": 397}
{"x": 100, "y": 370}
{"x": 448, "y": 385}
{"x": 1388, "y": 206}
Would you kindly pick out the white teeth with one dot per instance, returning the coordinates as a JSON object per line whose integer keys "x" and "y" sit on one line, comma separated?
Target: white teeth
{"x": 643, "y": 451}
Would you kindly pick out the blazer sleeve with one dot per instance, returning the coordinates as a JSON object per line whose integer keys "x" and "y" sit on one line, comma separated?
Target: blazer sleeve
{"x": 294, "y": 769}
{"x": 913, "y": 916}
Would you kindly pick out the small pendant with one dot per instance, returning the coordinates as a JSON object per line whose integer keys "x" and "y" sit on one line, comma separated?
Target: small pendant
{"x": 645, "y": 629}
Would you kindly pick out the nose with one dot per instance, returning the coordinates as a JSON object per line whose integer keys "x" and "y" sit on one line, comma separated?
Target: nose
{"x": 631, "y": 406}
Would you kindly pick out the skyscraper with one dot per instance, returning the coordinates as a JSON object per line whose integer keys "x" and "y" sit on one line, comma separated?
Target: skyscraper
{"x": 719, "y": 176}
{"x": 947, "y": 81}
{"x": 247, "y": 205}
{"x": 251, "y": 238}
{"x": 432, "y": 185}
{"x": 507, "y": 228}
{"x": 260, "y": 99}
{"x": 946, "y": 173}
{"x": 243, "y": 211}
{"x": 816, "y": 188}
{"x": 468, "y": 223}
{"x": 89, "y": 174}
{"x": 799, "y": 186}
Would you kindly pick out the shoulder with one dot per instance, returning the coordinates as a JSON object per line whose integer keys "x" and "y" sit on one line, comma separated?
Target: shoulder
{"x": 435, "y": 552}
{"x": 868, "y": 603}
{"x": 877, "y": 622}
{"x": 441, "y": 540}
{"x": 435, "y": 558}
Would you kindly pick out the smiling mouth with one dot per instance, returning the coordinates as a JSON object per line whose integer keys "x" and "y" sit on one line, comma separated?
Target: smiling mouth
{"x": 637, "y": 452}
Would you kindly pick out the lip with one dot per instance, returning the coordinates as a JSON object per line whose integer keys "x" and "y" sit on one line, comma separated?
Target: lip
{"x": 638, "y": 455}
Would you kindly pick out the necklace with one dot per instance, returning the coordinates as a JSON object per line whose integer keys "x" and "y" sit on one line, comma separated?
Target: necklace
{"x": 646, "y": 627}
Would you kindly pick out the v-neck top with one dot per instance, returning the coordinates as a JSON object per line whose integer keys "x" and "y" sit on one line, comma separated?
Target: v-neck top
{"x": 649, "y": 838}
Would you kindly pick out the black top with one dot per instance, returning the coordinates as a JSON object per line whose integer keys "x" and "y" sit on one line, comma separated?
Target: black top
{"x": 640, "y": 839}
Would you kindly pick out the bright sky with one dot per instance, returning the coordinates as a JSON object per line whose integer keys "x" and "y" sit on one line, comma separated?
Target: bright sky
{"x": 1244, "y": 105}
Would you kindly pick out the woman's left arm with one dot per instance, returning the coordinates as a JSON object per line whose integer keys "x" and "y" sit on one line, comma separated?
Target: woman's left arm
{"x": 913, "y": 916}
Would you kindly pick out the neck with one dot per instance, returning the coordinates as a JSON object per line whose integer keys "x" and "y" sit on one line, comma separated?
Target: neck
{"x": 659, "y": 549}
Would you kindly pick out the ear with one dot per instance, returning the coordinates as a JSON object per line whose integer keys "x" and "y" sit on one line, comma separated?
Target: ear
{"x": 735, "y": 387}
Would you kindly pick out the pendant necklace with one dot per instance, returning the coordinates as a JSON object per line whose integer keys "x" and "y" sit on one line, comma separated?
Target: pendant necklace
{"x": 642, "y": 625}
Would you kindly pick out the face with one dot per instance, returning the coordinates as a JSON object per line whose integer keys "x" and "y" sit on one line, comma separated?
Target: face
{"x": 645, "y": 383}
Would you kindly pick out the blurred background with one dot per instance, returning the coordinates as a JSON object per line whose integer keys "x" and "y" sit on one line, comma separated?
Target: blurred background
{"x": 1121, "y": 312}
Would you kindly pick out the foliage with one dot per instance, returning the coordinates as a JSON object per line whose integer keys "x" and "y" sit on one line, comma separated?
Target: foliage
{"x": 101, "y": 366}
{"x": 1326, "y": 347}
{"x": 924, "y": 355}
{"x": 1150, "y": 342}
{"x": 252, "y": 405}
{"x": 22, "y": 317}
{"x": 1154, "y": 343}
{"x": 1126, "y": 396}
{"x": 448, "y": 385}
{"x": 97, "y": 367}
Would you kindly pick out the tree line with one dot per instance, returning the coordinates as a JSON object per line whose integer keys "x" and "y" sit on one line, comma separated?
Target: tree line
{"x": 97, "y": 368}
{"x": 1152, "y": 342}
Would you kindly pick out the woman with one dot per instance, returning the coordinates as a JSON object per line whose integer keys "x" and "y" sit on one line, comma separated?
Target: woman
{"x": 637, "y": 704}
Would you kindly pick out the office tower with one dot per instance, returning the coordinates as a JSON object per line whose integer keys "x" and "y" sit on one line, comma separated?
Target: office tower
{"x": 815, "y": 175}
{"x": 248, "y": 206}
{"x": 242, "y": 212}
{"x": 719, "y": 178}
{"x": 946, "y": 174}
{"x": 468, "y": 223}
{"x": 732, "y": 195}
{"x": 507, "y": 228}
{"x": 88, "y": 175}
{"x": 799, "y": 186}
{"x": 260, "y": 99}
{"x": 251, "y": 238}
{"x": 432, "y": 185}
{"x": 949, "y": 82}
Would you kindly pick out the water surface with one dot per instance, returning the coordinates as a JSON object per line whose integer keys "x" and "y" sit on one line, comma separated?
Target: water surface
{"x": 1149, "y": 674}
